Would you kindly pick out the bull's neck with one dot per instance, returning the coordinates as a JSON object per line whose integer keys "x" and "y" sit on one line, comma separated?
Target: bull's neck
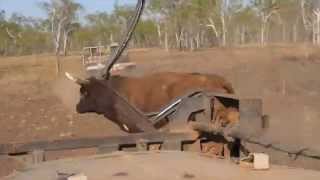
{"x": 127, "y": 114}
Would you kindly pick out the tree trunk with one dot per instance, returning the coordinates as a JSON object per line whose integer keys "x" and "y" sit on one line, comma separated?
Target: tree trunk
{"x": 179, "y": 40}
{"x": 186, "y": 41}
{"x": 159, "y": 34}
{"x": 12, "y": 36}
{"x": 65, "y": 43}
{"x": 318, "y": 30}
{"x": 57, "y": 36}
{"x": 6, "y": 44}
{"x": 58, "y": 64}
{"x": 213, "y": 26}
{"x": 243, "y": 35}
{"x": 306, "y": 23}
{"x": 317, "y": 27}
{"x": 191, "y": 44}
{"x": 224, "y": 30}
{"x": 57, "y": 47}
{"x": 295, "y": 33}
{"x": 198, "y": 40}
{"x": 236, "y": 38}
{"x": 166, "y": 43}
{"x": 57, "y": 42}
{"x": 262, "y": 35}
{"x": 303, "y": 14}
{"x": 111, "y": 38}
{"x": 284, "y": 33}
{"x": 313, "y": 34}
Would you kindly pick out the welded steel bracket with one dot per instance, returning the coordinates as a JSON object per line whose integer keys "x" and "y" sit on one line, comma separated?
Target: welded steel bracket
{"x": 252, "y": 123}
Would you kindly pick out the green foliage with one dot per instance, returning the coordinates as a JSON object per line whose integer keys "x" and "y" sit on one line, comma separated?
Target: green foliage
{"x": 179, "y": 23}
{"x": 145, "y": 34}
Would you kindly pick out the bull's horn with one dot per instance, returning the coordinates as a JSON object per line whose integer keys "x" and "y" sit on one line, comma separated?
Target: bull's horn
{"x": 75, "y": 79}
{"x": 126, "y": 127}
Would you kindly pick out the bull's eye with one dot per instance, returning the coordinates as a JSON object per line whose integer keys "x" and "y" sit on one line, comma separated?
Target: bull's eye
{"x": 83, "y": 92}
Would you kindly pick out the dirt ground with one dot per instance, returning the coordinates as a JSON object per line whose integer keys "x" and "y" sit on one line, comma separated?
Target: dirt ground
{"x": 37, "y": 105}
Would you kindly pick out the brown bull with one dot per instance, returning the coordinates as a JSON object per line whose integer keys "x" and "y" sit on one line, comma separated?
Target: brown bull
{"x": 148, "y": 93}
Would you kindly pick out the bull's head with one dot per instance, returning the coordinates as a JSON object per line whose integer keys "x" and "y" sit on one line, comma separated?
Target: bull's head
{"x": 88, "y": 94}
{"x": 92, "y": 90}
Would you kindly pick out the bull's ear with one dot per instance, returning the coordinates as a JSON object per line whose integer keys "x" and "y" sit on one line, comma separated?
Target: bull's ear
{"x": 76, "y": 79}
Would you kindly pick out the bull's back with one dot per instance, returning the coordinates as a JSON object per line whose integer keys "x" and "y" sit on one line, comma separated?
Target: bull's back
{"x": 190, "y": 82}
{"x": 151, "y": 92}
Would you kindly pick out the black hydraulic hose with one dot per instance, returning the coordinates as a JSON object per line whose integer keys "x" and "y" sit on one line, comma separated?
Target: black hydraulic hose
{"x": 133, "y": 23}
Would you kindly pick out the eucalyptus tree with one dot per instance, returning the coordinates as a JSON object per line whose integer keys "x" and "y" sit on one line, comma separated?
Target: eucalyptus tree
{"x": 63, "y": 16}
{"x": 266, "y": 10}
{"x": 163, "y": 12}
{"x": 311, "y": 19}
{"x": 245, "y": 25}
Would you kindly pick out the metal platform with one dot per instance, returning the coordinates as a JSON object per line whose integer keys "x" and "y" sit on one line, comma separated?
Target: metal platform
{"x": 158, "y": 165}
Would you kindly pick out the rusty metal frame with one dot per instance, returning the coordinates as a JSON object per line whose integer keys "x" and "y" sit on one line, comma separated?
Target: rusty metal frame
{"x": 113, "y": 141}
{"x": 149, "y": 136}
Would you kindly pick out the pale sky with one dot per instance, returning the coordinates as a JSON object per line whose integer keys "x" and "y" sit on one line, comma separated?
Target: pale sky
{"x": 30, "y": 8}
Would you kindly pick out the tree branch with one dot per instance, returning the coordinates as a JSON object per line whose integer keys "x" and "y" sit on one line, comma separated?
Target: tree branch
{"x": 213, "y": 26}
{"x": 10, "y": 34}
